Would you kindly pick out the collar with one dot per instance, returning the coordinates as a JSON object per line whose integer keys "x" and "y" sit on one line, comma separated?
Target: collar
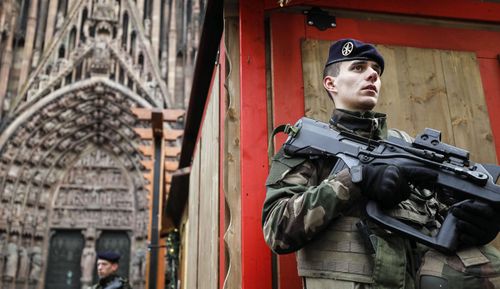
{"x": 368, "y": 124}
{"x": 104, "y": 281}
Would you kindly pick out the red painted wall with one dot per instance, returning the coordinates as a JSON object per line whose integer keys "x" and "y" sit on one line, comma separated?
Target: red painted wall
{"x": 476, "y": 10}
{"x": 287, "y": 30}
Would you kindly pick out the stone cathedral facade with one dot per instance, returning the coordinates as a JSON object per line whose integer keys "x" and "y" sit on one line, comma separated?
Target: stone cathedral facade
{"x": 71, "y": 176}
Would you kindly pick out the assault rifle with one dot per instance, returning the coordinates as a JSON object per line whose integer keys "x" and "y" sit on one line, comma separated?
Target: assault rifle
{"x": 456, "y": 173}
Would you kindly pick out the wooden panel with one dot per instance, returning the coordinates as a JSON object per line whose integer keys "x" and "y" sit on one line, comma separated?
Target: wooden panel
{"x": 414, "y": 87}
{"x": 316, "y": 101}
{"x": 148, "y": 164}
{"x": 256, "y": 257}
{"x": 288, "y": 106}
{"x": 171, "y": 165}
{"x": 490, "y": 70}
{"x": 232, "y": 178}
{"x": 168, "y": 114}
{"x": 172, "y": 134}
{"x": 222, "y": 149}
{"x": 169, "y": 150}
{"x": 145, "y": 133}
{"x": 192, "y": 241}
{"x": 469, "y": 113}
{"x": 172, "y": 151}
{"x": 426, "y": 87}
{"x": 209, "y": 195}
{"x": 286, "y": 69}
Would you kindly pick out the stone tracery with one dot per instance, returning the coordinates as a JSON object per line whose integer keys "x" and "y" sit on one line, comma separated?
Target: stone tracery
{"x": 68, "y": 150}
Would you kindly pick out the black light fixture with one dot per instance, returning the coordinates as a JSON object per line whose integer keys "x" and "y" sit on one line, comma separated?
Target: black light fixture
{"x": 320, "y": 18}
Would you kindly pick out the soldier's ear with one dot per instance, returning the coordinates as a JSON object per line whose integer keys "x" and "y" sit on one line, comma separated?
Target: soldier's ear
{"x": 329, "y": 84}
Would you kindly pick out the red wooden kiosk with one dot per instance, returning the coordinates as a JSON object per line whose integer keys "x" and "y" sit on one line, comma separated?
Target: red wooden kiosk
{"x": 271, "y": 91}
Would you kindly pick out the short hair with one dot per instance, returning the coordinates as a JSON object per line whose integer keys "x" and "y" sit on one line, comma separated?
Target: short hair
{"x": 331, "y": 70}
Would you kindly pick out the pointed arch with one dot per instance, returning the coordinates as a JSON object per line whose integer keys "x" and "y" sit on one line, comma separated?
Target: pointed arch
{"x": 125, "y": 29}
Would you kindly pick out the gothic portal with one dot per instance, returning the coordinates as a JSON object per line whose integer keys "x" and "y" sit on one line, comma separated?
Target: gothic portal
{"x": 71, "y": 172}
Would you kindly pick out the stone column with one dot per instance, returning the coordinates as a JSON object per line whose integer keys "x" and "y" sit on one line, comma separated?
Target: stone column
{"x": 140, "y": 9}
{"x": 40, "y": 32}
{"x": 163, "y": 40}
{"x": 51, "y": 21}
{"x": 156, "y": 24}
{"x": 172, "y": 51}
{"x": 6, "y": 64}
{"x": 28, "y": 44}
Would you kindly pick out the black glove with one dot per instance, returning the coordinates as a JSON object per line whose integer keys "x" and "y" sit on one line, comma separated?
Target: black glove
{"x": 388, "y": 184}
{"x": 477, "y": 223}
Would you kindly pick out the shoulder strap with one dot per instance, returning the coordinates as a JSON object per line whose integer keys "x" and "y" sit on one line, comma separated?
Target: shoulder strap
{"x": 286, "y": 128}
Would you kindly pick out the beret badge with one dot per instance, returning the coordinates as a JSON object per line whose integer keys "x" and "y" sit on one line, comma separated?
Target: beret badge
{"x": 347, "y": 48}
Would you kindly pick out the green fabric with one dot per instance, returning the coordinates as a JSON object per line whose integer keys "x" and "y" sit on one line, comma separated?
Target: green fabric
{"x": 390, "y": 257}
{"x": 458, "y": 276}
{"x": 281, "y": 165}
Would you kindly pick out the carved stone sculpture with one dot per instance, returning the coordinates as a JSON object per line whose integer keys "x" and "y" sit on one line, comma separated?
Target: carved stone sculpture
{"x": 3, "y": 251}
{"x": 12, "y": 259}
{"x": 24, "y": 262}
{"x": 138, "y": 266}
{"x": 36, "y": 263}
{"x": 87, "y": 263}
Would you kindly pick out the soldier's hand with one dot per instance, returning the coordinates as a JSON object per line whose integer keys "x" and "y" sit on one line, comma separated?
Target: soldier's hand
{"x": 388, "y": 184}
{"x": 477, "y": 224}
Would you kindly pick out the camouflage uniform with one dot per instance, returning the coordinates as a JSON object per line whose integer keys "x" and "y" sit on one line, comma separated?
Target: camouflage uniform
{"x": 112, "y": 282}
{"x": 313, "y": 212}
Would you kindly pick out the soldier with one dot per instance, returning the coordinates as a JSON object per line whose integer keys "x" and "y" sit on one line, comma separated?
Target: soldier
{"x": 312, "y": 206}
{"x": 107, "y": 268}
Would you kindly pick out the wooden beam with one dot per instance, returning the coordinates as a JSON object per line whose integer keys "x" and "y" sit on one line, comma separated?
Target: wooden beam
{"x": 170, "y": 115}
{"x": 256, "y": 256}
{"x": 171, "y": 166}
{"x": 452, "y": 9}
{"x": 172, "y": 151}
{"x": 168, "y": 134}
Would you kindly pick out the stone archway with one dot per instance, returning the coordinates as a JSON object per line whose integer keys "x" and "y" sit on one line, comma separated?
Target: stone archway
{"x": 71, "y": 164}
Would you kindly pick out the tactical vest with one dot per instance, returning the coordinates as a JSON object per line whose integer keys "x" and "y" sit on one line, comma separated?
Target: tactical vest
{"x": 342, "y": 253}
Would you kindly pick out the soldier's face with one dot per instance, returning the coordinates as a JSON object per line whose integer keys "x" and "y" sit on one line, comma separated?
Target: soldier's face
{"x": 357, "y": 85}
{"x": 105, "y": 268}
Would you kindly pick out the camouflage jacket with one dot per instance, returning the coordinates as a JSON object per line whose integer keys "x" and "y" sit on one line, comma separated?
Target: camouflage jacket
{"x": 112, "y": 282}
{"x": 303, "y": 201}
{"x": 302, "y": 198}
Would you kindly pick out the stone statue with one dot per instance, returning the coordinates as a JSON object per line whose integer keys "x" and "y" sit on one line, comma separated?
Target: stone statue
{"x": 41, "y": 220}
{"x": 3, "y": 251}
{"x": 87, "y": 263}
{"x": 4, "y": 219}
{"x": 24, "y": 262}
{"x": 12, "y": 259}
{"x": 138, "y": 262}
{"x": 59, "y": 20}
{"x": 36, "y": 263}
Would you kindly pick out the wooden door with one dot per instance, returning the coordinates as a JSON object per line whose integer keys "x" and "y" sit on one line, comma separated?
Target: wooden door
{"x": 118, "y": 242}
{"x": 65, "y": 252}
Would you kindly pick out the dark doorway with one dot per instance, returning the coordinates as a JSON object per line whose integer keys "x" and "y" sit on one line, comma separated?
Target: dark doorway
{"x": 63, "y": 271}
{"x": 118, "y": 242}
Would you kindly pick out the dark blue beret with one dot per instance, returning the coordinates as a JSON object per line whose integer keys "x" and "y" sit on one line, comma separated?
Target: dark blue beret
{"x": 352, "y": 49}
{"x": 109, "y": 256}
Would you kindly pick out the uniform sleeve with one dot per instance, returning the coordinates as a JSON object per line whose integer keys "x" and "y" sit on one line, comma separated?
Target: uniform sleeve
{"x": 298, "y": 205}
